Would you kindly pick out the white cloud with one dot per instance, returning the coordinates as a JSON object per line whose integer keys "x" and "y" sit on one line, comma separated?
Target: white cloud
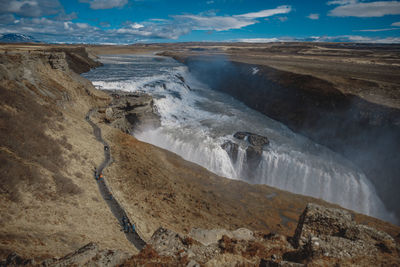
{"x": 357, "y": 39}
{"x": 378, "y": 30}
{"x": 396, "y": 24}
{"x": 155, "y": 30}
{"x": 51, "y": 30}
{"x": 137, "y": 25}
{"x": 223, "y": 23}
{"x": 313, "y": 16}
{"x": 342, "y": 2}
{"x": 216, "y": 23}
{"x": 65, "y": 17}
{"x": 105, "y": 4}
{"x": 172, "y": 28}
{"x": 30, "y": 8}
{"x": 44, "y": 29}
{"x": 360, "y": 9}
{"x": 341, "y": 38}
{"x": 259, "y": 40}
{"x": 283, "y": 19}
{"x": 183, "y": 24}
{"x": 6, "y": 18}
{"x": 266, "y": 13}
{"x": 210, "y": 2}
{"x": 82, "y": 25}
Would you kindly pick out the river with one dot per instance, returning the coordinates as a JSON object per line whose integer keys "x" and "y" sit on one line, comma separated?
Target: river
{"x": 196, "y": 120}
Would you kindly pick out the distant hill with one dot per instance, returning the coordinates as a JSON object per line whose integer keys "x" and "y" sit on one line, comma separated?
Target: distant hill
{"x": 17, "y": 38}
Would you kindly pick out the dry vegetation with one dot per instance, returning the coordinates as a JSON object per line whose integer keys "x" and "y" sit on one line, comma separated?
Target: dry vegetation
{"x": 50, "y": 204}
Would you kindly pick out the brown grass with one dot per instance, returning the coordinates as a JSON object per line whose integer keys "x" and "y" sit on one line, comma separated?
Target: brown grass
{"x": 49, "y": 203}
{"x": 22, "y": 133}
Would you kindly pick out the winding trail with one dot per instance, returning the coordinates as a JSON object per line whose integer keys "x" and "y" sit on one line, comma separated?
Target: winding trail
{"x": 105, "y": 191}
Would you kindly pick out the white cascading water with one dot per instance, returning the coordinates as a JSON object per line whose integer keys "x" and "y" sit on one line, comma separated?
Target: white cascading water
{"x": 196, "y": 121}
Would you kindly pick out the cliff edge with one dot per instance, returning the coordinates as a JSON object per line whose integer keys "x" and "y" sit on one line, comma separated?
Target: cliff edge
{"x": 50, "y": 202}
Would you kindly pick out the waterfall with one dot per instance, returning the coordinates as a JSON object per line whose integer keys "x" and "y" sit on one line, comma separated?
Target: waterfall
{"x": 196, "y": 121}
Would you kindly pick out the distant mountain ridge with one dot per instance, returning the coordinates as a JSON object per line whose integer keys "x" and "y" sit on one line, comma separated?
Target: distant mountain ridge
{"x": 17, "y": 38}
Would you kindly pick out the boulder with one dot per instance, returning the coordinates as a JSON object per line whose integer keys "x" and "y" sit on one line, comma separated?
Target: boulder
{"x": 14, "y": 259}
{"x": 318, "y": 220}
{"x": 329, "y": 232}
{"x": 253, "y": 139}
{"x": 167, "y": 242}
{"x": 109, "y": 114}
{"x": 90, "y": 254}
{"x": 253, "y": 153}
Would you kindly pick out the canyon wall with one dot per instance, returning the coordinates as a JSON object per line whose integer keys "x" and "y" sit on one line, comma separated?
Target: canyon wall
{"x": 366, "y": 133}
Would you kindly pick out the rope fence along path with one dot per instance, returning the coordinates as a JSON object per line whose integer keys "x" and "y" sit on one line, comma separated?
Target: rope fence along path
{"x": 106, "y": 192}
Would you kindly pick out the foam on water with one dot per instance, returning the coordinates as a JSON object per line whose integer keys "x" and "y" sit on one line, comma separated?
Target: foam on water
{"x": 196, "y": 121}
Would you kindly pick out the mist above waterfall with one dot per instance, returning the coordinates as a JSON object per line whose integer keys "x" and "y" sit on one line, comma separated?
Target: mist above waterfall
{"x": 366, "y": 133}
{"x": 196, "y": 121}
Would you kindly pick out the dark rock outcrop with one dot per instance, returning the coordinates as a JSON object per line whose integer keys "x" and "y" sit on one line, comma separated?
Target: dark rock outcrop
{"x": 131, "y": 111}
{"x": 254, "y": 145}
{"x": 253, "y": 139}
{"x": 14, "y": 259}
{"x": 91, "y": 254}
{"x": 232, "y": 149}
{"x": 88, "y": 255}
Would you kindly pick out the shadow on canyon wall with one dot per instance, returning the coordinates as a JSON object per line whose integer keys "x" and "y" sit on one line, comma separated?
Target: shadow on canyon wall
{"x": 368, "y": 134}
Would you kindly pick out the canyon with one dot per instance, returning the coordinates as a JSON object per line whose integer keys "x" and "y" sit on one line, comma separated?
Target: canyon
{"x": 51, "y": 205}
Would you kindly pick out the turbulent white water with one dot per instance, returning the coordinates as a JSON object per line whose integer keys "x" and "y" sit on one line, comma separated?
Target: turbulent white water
{"x": 196, "y": 121}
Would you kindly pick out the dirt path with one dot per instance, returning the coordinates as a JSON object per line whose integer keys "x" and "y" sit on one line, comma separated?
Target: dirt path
{"x": 105, "y": 191}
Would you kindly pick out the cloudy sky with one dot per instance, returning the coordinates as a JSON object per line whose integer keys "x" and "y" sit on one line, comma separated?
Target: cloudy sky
{"x": 131, "y": 21}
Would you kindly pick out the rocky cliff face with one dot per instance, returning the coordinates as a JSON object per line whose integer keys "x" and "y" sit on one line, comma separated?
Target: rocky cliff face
{"x": 131, "y": 111}
{"x": 366, "y": 133}
{"x": 77, "y": 59}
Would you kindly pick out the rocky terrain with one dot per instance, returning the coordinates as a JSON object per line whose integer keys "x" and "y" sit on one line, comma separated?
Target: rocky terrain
{"x": 51, "y": 205}
{"x": 323, "y": 237}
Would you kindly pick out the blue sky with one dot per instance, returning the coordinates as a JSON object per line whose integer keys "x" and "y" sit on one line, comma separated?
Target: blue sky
{"x": 132, "y": 21}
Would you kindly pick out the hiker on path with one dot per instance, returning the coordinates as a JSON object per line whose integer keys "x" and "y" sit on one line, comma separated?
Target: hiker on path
{"x": 133, "y": 228}
{"x": 125, "y": 224}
